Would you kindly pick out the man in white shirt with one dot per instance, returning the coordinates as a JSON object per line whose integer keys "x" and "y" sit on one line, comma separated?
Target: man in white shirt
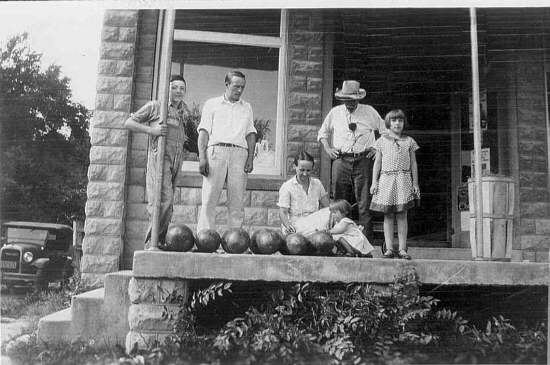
{"x": 348, "y": 135}
{"x": 227, "y": 138}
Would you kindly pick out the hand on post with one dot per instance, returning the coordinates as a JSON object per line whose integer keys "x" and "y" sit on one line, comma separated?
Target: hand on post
{"x": 159, "y": 130}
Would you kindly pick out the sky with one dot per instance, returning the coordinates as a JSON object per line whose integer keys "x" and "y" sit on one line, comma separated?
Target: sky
{"x": 66, "y": 34}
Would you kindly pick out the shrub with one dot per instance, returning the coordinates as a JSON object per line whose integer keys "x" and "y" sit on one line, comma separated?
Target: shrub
{"x": 356, "y": 323}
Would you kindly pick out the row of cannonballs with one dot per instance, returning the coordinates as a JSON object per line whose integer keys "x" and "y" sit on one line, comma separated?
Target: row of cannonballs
{"x": 180, "y": 238}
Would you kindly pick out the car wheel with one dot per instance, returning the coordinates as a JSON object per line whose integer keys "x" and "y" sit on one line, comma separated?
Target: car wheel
{"x": 40, "y": 282}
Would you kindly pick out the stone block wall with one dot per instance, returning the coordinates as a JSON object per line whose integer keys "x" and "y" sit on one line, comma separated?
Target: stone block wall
{"x": 154, "y": 309}
{"x": 516, "y": 55}
{"x": 533, "y": 190}
{"x": 105, "y": 207}
{"x": 305, "y": 84}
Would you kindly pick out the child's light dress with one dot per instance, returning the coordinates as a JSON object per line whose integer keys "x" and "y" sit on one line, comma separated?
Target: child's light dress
{"x": 355, "y": 237}
{"x": 395, "y": 190}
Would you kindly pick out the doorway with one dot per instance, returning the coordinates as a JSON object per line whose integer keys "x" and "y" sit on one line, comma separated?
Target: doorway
{"x": 417, "y": 60}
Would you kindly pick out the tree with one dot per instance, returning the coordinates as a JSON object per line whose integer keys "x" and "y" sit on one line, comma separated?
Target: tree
{"x": 44, "y": 141}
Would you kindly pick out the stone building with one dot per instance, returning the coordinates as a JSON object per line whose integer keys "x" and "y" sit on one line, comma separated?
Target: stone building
{"x": 415, "y": 59}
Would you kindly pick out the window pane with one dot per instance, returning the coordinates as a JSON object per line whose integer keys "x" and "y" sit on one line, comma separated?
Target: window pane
{"x": 256, "y": 22}
{"x": 204, "y": 66}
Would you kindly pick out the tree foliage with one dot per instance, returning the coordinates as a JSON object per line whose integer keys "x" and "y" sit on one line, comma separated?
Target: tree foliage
{"x": 44, "y": 139}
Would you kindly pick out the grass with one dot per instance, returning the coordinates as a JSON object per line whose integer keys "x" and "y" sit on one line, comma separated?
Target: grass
{"x": 35, "y": 304}
{"x": 27, "y": 349}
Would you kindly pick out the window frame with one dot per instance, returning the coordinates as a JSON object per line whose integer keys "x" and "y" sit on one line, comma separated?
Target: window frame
{"x": 265, "y": 179}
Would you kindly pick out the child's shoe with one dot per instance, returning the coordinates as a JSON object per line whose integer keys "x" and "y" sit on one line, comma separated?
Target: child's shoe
{"x": 402, "y": 254}
{"x": 364, "y": 255}
{"x": 389, "y": 254}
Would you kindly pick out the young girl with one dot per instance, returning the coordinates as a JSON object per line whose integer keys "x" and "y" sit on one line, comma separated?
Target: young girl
{"x": 347, "y": 234}
{"x": 302, "y": 195}
{"x": 397, "y": 189}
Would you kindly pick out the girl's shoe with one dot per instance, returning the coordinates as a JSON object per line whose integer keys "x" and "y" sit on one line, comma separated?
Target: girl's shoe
{"x": 389, "y": 254}
{"x": 402, "y": 254}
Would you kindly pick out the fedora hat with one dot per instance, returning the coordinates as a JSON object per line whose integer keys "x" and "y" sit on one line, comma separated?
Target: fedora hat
{"x": 350, "y": 91}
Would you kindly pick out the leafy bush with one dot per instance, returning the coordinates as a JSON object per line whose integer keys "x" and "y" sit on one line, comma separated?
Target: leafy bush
{"x": 313, "y": 323}
{"x": 356, "y": 323}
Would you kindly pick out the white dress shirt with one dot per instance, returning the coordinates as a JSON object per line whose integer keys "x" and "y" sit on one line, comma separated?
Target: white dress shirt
{"x": 335, "y": 128}
{"x": 299, "y": 202}
{"x": 227, "y": 122}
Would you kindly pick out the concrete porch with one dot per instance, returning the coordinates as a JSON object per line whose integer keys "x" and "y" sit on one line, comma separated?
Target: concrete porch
{"x": 136, "y": 306}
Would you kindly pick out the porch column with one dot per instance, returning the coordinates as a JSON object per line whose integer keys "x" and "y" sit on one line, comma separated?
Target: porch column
{"x": 104, "y": 226}
{"x": 477, "y": 134}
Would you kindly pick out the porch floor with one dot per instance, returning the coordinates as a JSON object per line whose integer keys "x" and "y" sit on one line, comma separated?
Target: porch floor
{"x": 281, "y": 268}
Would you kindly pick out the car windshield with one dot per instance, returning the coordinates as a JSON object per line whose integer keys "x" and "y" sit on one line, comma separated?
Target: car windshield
{"x": 27, "y": 235}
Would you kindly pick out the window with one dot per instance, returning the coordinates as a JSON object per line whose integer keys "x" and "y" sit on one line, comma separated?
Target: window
{"x": 208, "y": 44}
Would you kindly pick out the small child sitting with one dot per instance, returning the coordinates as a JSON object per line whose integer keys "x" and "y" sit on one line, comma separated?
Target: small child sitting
{"x": 347, "y": 234}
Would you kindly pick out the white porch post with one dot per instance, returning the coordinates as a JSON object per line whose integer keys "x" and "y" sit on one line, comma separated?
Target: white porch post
{"x": 168, "y": 19}
{"x": 477, "y": 136}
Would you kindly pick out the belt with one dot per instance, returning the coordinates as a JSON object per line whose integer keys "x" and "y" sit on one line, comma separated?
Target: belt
{"x": 394, "y": 172}
{"x": 352, "y": 155}
{"x": 227, "y": 145}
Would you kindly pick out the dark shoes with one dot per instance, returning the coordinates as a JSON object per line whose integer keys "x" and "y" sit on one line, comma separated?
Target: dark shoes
{"x": 402, "y": 254}
{"x": 389, "y": 254}
{"x": 364, "y": 255}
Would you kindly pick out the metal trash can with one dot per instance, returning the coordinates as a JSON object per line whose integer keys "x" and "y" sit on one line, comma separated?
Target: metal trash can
{"x": 498, "y": 218}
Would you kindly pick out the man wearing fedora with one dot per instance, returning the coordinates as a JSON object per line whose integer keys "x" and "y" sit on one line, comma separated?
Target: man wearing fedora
{"x": 348, "y": 135}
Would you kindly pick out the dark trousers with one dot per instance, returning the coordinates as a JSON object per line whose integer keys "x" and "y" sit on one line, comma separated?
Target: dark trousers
{"x": 351, "y": 180}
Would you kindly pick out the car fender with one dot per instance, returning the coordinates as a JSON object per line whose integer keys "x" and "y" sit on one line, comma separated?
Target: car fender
{"x": 41, "y": 262}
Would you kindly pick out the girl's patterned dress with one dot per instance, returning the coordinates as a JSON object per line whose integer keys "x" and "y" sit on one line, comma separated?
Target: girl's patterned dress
{"x": 395, "y": 189}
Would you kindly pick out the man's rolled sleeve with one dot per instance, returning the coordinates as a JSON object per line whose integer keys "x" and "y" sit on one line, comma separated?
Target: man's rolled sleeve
{"x": 324, "y": 131}
{"x": 250, "y": 127}
{"x": 206, "y": 118}
{"x": 144, "y": 114}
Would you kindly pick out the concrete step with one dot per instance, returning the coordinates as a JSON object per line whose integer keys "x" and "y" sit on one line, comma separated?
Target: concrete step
{"x": 56, "y": 327}
{"x": 99, "y": 314}
{"x": 87, "y": 319}
{"x": 117, "y": 304}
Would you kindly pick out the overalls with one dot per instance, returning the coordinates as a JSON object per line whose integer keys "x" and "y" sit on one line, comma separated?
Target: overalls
{"x": 173, "y": 159}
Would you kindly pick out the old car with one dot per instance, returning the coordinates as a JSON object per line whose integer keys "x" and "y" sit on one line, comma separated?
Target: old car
{"x": 36, "y": 254}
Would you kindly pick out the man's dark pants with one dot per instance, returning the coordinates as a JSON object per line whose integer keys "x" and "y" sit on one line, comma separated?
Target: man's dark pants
{"x": 351, "y": 180}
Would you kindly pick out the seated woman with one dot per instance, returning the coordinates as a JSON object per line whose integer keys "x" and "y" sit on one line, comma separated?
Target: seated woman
{"x": 301, "y": 196}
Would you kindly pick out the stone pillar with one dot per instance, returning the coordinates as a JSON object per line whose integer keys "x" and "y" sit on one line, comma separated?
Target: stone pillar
{"x": 305, "y": 84}
{"x": 154, "y": 309}
{"x": 104, "y": 226}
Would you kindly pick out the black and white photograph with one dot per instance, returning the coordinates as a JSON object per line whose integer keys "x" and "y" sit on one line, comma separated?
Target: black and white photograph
{"x": 251, "y": 182}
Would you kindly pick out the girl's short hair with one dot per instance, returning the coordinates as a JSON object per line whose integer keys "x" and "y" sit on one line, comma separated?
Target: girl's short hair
{"x": 342, "y": 206}
{"x": 395, "y": 113}
{"x": 303, "y": 156}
